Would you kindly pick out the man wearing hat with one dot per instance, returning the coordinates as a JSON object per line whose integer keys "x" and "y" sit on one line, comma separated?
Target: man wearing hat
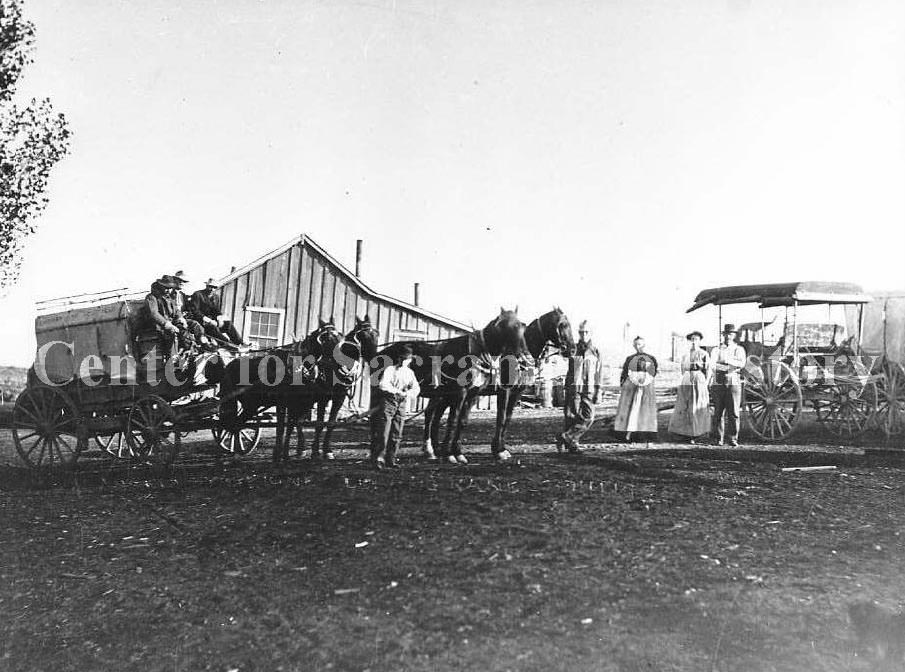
{"x": 163, "y": 315}
{"x": 582, "y": 391}
{"x": 726, "y": 362}
{"x": 204, "y": 307}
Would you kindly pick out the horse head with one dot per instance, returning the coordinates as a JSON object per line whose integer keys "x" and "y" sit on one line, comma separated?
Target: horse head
{"x": 559, "y": 331}
{"x": 323, "y": 340}
{"x": 366, "y": 336}
{"x": 505, "y": 333}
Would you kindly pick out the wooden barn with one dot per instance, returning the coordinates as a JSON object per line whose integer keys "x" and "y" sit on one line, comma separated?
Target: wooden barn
{"x": 281, "y": 296}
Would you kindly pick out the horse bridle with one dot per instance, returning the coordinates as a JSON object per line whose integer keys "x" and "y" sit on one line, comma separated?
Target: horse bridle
{"x": 360, "y": 328}
{"x": 321, "y": 334}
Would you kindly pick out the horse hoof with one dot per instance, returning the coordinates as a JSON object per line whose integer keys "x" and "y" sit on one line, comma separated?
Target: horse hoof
{"x": 429, "y": 453}
{"x": 452, "y": 459}
{"x": 461, "y": 459}
{"x": 329, "y": 456}
{"x": 503, "y": 455}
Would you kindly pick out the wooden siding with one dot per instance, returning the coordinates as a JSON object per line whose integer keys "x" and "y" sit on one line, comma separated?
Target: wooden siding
{"x": 308, "y": 287}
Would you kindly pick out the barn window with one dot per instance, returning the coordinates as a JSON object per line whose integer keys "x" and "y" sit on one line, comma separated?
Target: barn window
{"x": 408, "y": 335}
{"x": 263, "y": 326}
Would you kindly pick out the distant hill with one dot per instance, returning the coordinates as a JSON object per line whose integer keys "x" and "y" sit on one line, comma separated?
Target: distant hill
{"x": 12, "y": 381}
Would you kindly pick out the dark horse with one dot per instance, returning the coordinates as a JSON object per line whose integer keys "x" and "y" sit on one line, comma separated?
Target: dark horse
{"x": 452, "y": 373}
{"x": 340, "y": 372}
{"x": 549, "y": 333}
{"x": 278, "y": 377}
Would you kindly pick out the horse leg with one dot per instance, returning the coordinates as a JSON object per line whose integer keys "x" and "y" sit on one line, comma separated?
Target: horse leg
{"x": 319, "y": 426}
{"x": 432, "y": 415}
{"x": 458, "y": 408}
{"x": 513, "y": 397}
{"x": 336, "y": 403}
{"x": 446, "y": 405}
{"x": 502, "y": 401}
{"x": 281, "y": 428}
{"x": 290, "y": 421}
{"x": 301, "y": 413}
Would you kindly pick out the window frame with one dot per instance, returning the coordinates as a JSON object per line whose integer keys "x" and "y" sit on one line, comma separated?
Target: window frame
{"x": 409, "y": 335}
{"x": 281, "y": 324}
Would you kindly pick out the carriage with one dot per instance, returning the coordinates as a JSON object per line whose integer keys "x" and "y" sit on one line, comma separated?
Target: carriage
{"x": 91, "y": 386}
{"x": 827, "y": 345}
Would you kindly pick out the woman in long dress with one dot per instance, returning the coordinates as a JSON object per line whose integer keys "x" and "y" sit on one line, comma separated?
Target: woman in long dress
{"x": 691, "y": 416}
{"x": 637, "y": 410}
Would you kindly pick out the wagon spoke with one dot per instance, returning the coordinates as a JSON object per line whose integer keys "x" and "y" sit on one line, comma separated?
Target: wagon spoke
{"x": 35, "y": 444}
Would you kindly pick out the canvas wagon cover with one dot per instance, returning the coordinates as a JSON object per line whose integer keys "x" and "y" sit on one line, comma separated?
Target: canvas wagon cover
{"x": 105, "y": 330}
{"x": 884, "y": 325}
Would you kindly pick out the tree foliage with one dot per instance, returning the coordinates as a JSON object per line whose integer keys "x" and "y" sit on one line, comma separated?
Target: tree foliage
{"x": 32, "y": 139}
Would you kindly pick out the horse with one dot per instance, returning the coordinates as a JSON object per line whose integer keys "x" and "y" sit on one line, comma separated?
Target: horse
{"x": 280, "y": 377}
{"x": 341, "y": 371}
{"x": 452, "y": 373}
{"x": 549, "y": 333}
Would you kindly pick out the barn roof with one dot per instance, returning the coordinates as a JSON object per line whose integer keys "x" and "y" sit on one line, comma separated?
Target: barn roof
{"x": 782, "y": 294}
{"x": 306, "y": 240}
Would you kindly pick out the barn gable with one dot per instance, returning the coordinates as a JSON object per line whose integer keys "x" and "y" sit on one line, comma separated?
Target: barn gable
{"x": 281, "y": 296}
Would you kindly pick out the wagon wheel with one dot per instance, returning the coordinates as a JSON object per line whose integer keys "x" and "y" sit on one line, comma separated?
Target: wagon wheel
{"x": 114, "y": 444}
{"x": 772, "y": 400}
{"x": 850, "y": 403}
{"x": 151, "y": 430}
{"x": 111, "y": 441}
{"x": 47, "y": 428}
{"x": 239, "y": 441}
{"x": 890, "y": 381}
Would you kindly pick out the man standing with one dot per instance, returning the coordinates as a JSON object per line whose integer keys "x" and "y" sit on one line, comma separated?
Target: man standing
{"x": 204, "y": 307}
{"x": 726, "y": 361}
{"x": 582, "y": 391}
{"x": 397, "y": 383}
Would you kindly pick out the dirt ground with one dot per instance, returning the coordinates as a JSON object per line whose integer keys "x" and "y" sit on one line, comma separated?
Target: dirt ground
{"x": 627, "y": 557}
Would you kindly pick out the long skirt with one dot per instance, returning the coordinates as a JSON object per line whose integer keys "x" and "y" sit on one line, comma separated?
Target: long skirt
{"x": 637, "y": 410}
{"x": 691, "y": 416}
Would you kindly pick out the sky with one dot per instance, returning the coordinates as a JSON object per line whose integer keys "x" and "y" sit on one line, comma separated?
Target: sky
{"x": 612, "y": 158}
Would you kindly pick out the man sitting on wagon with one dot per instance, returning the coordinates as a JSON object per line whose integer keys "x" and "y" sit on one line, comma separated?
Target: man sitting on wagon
{"x": 204, "y": 307}
{"x": 184, "y": 305}
{"x": 165, "y": 317}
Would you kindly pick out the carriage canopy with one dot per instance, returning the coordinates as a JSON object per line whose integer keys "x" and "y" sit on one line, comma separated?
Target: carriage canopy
{"x": 884, "y": 326}
{"x": 783, "y": 294}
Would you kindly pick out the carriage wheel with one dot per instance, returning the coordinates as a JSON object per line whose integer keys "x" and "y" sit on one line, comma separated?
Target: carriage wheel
{"x": 850, "y": 404}
{"x": 239, "y": 442}
{"x": 890, "y": 416}
{"x": 114, "y": 444}
{"x": 772, "y": 400}
{"x": 47, "y": 428}
{"x": 151, "y": 431}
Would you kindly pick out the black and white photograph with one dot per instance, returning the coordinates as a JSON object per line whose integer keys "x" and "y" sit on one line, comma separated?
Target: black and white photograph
{"x": 430, "y": 336}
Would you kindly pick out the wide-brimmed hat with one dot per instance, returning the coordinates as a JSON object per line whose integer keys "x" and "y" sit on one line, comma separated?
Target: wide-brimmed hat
{"x": 729, "y": 328}
{"x": 210, "y": 282}
{"x": 691, "y": 335}
{"x": 180, "y": 276}
{"x": 168, "y": 281}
